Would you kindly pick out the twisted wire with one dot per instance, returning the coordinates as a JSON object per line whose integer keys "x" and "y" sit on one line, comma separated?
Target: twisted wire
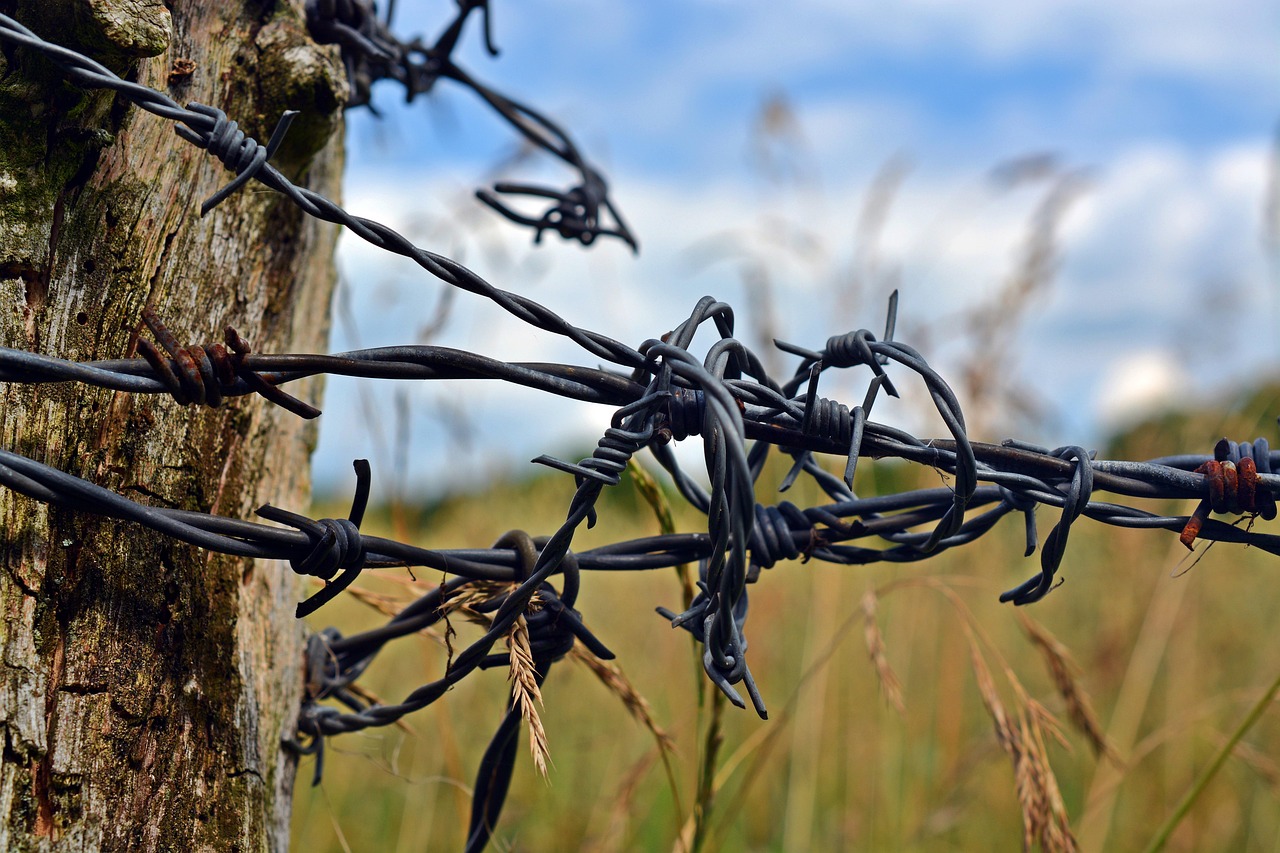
{"x": 1075, "y": 500}
{"x": 203, "y": 121}
{"x": 204, "y": 375}
{"x": 371, "y": 52}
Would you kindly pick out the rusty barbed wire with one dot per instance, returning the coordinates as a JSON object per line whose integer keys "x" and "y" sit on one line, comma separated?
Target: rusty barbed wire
{"x": 371, "y": 52}
{"x": 742, "y": 536}
{"x": 662, "y": 393}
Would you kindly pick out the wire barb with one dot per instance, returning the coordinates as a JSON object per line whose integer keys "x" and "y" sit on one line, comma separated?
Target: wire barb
{"x": 336, "y": 545}
{"x": 204, "y": 375}
{"x": 371, "y": 52}
{"x": 240, "y": 153}
{"x": 1234, "y": 487}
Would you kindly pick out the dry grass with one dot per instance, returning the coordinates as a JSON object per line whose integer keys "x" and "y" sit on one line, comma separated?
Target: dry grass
{"x": 890, "y": 686}
{"x": 387, "y": 605}
{"x": 834, "y": 766}
{"x": 1170, "y": 665}
{"x": 525, "y": 693}
{"x": 1064, "y": 673}
{"x": 1021, "y": 735}
{"x": 616, "y": 681}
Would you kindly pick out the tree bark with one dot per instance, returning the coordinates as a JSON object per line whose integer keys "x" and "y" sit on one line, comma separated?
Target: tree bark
{"x": 145, "y": 685}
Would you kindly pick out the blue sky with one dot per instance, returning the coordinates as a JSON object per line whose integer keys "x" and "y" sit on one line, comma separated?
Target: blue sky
{"x": 1165, "y": 281}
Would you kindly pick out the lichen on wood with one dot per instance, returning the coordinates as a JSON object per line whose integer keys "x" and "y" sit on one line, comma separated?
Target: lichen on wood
{"x": 145, "y": 685}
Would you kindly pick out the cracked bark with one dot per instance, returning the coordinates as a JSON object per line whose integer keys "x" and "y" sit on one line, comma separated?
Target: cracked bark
{"x": 145, "y": 685}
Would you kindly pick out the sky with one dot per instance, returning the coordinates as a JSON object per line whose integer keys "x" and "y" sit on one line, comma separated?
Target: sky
{"x": 801, "y": 160}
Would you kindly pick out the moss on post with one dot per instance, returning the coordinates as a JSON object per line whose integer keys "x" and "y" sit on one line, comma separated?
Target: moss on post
{"x": 145, "y": 685}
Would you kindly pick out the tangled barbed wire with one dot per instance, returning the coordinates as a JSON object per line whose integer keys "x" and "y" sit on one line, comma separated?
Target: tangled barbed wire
{"x": 371, "y": 52}
{"x": 661, "y": 392}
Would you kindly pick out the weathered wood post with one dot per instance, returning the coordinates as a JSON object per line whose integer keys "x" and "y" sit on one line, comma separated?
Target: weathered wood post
{"x": 145, "y": 685}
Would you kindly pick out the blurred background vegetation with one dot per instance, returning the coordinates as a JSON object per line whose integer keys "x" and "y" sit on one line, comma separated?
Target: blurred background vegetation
{"x": 1171, "y": 648}
{"x": 892, "y": 689}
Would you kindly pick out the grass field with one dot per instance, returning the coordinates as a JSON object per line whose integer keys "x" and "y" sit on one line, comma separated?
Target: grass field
{"x": 1172, "y": 656}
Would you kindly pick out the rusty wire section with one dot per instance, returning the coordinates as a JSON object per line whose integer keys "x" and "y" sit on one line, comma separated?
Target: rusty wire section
{"x": 371, "y": 52}
{"x": 661, "y": 392}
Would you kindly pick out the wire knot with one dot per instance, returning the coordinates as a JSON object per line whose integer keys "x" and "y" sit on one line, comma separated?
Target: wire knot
{"x": 772, "y": 537}
{"x": 1231, "y": 479}
{"x": 828, "y": 419}
{"x": 350, "y": 23}
{"x": 336, "y": 546}
{"x": 609, "y": 460}
{"x": 850, "y": 349}
{"x": 322, "y": 672}
{"x": 204, "y": 375}
{"x": 1074, "y": 502}
{"x": 369, "y": 51}
{"x": 614, "y": 449}
{"x": 238, "y": 152}
{"x": 686, "y": 411}
{"x": 574, "y": 214}
{"x": 724, "y": 647}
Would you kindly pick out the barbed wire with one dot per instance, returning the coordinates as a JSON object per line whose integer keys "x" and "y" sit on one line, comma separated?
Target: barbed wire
{"x": 1018, "y": 478}
{"x": 209, "y": 128}
{"x": 663, "y": 393}
{"x": 371, "y": 52}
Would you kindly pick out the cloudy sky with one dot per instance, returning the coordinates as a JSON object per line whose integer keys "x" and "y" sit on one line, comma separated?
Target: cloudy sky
{"x": 799, "y": 160}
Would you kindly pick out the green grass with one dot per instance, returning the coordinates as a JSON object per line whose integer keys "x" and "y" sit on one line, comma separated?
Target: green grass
{"x": 1172, "y": 664}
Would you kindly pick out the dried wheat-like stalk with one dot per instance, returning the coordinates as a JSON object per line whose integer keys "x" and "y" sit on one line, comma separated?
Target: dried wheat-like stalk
{"x": 990, "y": 698}
{"x": 1012, "y": 739}
{"x": 387, "y": 605}
{"x": 1063, "y": 670}
{"x": 616, "y": 681}
{"x": 473, "y": 594}
{"x": 1044, "y": 816}
{"x": 1055, "y": 833}
{"x": 1022, "y": 735}
{"x": 613, "y": 678}
{"x": 464, "y": 601}
{"x": 525, "y": 694}
{"x": 889, "y": 683}
{"x": 1029, "y": 783}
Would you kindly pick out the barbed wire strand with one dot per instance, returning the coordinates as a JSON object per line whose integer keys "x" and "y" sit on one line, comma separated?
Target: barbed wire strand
{"x": 371, "y": 52}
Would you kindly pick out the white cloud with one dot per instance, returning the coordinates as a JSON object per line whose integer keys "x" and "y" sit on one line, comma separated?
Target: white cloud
{"x": 1138, "y": 384}
{"x": 1162, "y": 250}
{"x": 1144, "y": 258}
{"x": 1186, "y": 219}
